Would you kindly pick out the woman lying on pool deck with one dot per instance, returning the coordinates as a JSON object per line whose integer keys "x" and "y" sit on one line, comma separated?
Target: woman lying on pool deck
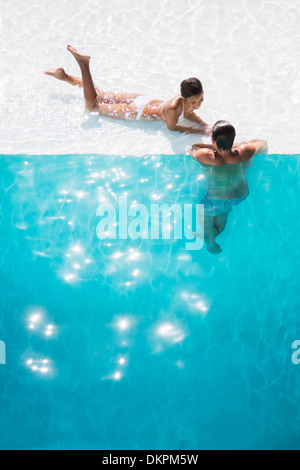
{"x": 135, "y": 106}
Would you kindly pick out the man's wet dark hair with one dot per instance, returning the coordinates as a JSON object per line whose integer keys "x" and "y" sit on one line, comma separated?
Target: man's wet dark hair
{"x": 223, "y": 134}
{"x": 191, "y": 87}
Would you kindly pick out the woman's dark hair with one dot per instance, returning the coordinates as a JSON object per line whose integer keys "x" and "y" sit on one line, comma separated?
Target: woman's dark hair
{"x": 191, "y": 87}
{"x": 223, "y": 134}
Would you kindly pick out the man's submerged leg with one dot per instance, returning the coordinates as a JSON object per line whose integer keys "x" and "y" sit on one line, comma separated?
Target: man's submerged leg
{"x": 213, "y": 226}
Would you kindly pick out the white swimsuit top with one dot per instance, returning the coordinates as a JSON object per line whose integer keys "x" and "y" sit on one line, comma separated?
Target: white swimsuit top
{"x": 181, "y": 117}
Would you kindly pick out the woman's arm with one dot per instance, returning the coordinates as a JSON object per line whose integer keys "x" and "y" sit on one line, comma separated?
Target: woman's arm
{"x": 187, "y": 130}
{"x": 194, "y": 118}
{"x": 171, "y": 116}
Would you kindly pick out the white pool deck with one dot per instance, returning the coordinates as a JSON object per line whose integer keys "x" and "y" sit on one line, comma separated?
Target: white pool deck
{"x": 246, "y": 53}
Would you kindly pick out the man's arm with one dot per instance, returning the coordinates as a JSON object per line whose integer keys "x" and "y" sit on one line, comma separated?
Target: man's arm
{"x": 254, "y": 147}
{"x": 202, "y": 153}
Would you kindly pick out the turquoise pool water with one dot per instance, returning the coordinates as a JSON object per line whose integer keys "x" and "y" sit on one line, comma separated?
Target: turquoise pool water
{"x": 142, "y": 344}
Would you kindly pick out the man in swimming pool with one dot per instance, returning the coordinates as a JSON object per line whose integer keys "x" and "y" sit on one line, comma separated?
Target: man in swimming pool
{"x": 225, "y": 166}
{"x": 140, "y": 107}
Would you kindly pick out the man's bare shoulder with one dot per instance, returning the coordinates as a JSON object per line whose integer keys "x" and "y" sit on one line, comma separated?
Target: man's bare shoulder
{"x": 206, "y": 156}
{"x": 248, "y": 149}
{"x": 245, "y": 151}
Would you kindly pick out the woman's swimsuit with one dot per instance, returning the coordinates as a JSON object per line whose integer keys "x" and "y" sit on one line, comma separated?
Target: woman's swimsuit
{"x": 141, "y": 102}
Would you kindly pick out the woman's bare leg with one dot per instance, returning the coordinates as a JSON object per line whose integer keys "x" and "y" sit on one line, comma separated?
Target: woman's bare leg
{"x": 89, "y": 90}
{"x": 115, "y": 110}
{"x": 60, "y": 74}
{"x": 102, "y": 96}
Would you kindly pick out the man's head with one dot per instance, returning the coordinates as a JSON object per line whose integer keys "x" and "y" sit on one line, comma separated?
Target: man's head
{"x": 223, "y": 135}
{"x": 192, "y": 91}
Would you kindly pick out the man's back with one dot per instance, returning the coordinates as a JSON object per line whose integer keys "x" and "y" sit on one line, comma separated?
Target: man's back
{"x": 227, "y": 181}
{"x": 208, "y": 155}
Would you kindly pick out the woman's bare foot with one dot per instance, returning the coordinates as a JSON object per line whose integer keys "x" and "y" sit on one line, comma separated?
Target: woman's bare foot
{"x": 81, "y": 59}
{"x": 57, "y": 73}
